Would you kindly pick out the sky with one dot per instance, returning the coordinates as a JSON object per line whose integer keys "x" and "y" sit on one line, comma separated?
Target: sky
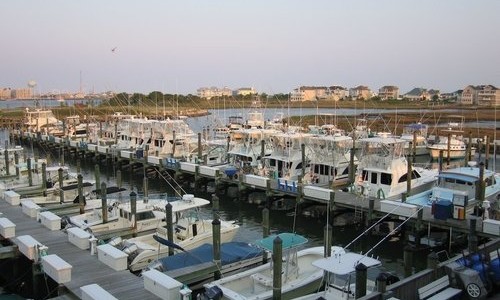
{"x": 273, "y": 46}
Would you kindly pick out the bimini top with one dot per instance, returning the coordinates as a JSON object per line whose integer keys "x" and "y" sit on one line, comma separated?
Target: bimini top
{"x": 467, "y": 174}
{"x": 345, "y": 263}
{"x": 290, "y": 240}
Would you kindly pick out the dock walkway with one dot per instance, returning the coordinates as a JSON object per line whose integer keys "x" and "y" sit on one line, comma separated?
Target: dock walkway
{"x": 86, "y": 269}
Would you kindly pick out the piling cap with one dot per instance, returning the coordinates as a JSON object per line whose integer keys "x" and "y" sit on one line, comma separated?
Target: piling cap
{"x": 361, "y": 267}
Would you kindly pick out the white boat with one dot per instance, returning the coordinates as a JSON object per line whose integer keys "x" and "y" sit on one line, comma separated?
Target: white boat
{"x": 453, "y": 138}
{"x": 39, "y": 120}
{"x": 190, "y": 231}
{"x": 383, "y": 170}
{"x": 415, "y": 136}
{"x": 340, "y": 270}
{"x": 299, "y": 276}
{"x": 330, "y": 159}
{"x": 149, "y": 216}
{"x": 285, "y": 161}
{"x": 459, "y": 187}
{"x": 245, "y": 149}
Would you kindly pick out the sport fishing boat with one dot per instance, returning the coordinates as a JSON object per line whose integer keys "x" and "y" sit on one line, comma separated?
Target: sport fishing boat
{"x": 299, "y": 276}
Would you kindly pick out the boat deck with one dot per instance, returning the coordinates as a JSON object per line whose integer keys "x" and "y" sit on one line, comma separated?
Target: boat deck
{"x": 86, "y": 269}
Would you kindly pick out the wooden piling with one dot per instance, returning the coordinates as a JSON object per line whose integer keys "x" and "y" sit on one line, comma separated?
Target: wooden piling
{"x": 30, "y": 175}
{"x": 448, "y": 149}
{"x": 16, "y": 161}
{"x": 216, "y": 245}
{"x": 119, "y": 178}
{"x": 81, "y": 200}
{"x": 408, "y": 261}
{"x": 44, "y": 178}
{"x": 487, "y": 152}
{"x": 473, "y": 239}
{"x": 327, "y": 240}
{"x": 469, "y": 148}
{"x": 277, "y": 267}
{"x": 133, "y": 208}
{"x": 408, "y": 177}
{"x": 104, "y": 203}
{"x": 60, "y": 177}
{"x": 361, "y": 280}
{"x": 145, "y": 189}
{"x": 170, "y": 226}
{"x": 266, "y": 230}
{"x": 6, "y": 156}
{"x": 97, "y": 174}
{"x": 381, "y": 283}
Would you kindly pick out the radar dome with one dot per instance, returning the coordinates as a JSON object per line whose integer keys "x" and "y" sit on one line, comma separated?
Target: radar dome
{"x": 31, "y": 83}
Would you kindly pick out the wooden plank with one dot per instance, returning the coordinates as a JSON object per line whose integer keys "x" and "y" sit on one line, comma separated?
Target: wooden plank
{"x": 86, "y": 268}
{"x": 446, "y": 294}
{"x": 433, "y": 287}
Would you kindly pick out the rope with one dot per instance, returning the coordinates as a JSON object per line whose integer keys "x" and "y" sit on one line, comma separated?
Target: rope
{"x": 170, "y": 176}
{"x": 376, "y": 223}
{"x": 393, "y": 231}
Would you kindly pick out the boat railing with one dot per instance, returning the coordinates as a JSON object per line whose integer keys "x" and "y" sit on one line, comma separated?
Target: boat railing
{"x": 382, "y": 162}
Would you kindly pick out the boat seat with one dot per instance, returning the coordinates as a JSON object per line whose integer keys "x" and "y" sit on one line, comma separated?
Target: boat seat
{"x": 282, "y": 184}
{"x": 262, "y": 279}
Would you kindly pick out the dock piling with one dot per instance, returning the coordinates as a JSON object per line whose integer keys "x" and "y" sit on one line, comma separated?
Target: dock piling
{"x": 81, "y": 200}
{"x": 327, "y": 240}
{"x": 361, "y": 280}
{"x": 97, "y": 174}
{"x": 104, "y": 203}
{"x": 30, "y": 175}
{"x": 277, "y": 267}
{"x": 216, "y": 244}
{"x": 60, "y": 177}
{"x": 6, "y": 156}
{"x": 266, "y": 230}
{"x": 170, "y": 226}
{"x": 133, "y": 207}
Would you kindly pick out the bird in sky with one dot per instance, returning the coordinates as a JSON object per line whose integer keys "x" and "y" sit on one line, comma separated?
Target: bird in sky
{"x": 113, "y": 49}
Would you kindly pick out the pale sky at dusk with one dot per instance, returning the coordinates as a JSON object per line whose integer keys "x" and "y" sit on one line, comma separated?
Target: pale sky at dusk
{"x": 273, "y": 46}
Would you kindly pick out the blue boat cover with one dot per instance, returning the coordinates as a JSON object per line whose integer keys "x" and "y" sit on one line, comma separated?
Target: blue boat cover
{"x": 290, "y": 240}
{"x": 230, "y": 253}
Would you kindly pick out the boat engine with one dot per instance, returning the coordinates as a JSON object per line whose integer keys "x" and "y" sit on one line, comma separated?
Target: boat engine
{"x": 213, "y": 293}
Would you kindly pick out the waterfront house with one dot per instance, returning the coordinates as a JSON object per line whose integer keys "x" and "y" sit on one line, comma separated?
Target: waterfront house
{"x": 388, "y": 92}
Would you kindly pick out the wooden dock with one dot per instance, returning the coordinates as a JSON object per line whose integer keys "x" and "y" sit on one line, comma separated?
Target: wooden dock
{"x": 273, "y": 187}
{"x": 86, "y": 269}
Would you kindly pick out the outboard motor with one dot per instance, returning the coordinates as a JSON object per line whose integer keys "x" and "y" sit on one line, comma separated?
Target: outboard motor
{"x": 156, "y": 265}
{"x": 213, "y": 293}
{"x": 115, "y": 241}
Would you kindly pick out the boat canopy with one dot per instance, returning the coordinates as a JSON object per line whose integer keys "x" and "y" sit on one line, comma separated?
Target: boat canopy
{"x": 345, "y": 263}
{"x": 462, "y": 177}
{"x": 417, "y": 126}
{"x": 290, "y": 240}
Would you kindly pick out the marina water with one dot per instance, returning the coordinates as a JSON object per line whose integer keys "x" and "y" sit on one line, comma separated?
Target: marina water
{"x": 237, "y": 207}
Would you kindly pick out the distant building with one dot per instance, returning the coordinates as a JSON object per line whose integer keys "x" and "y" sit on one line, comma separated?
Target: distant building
{"x": 5, "y": 93}
{"x": 388, "y": 92}
{"x": 482, "y": 95}
{"x": 360, "y": 92}
{"x": 309, "y": 93}
{"x": 210, "y": 92}
{"x": 453, "y": 96}
{"x": 22, "y": 93}
{"x": 245, "y": 92}
{"x": 488, "y": 95}
{"x": 421, "y": 94}
{"x": 337, "y": 92}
